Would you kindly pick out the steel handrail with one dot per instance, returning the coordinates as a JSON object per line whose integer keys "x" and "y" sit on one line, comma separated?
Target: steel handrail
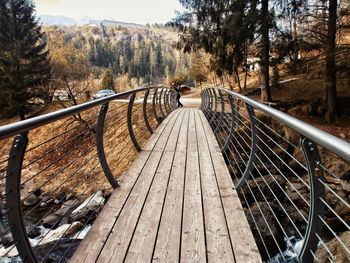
{"x": 9, "y": 130}
{"x": 13, "y": 195}
{"x": 330, "y": 142}
{"x": 250, "y": 158}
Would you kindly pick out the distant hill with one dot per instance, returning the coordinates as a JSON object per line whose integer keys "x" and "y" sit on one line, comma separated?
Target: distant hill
{"x": 67, "y": 21}
{"x": 116, "y": 23}
{"x": 57, "y": 20}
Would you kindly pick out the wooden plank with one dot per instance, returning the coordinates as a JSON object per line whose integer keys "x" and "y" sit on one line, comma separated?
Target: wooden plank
{"x": 144, "y": 238}
{"x": 149, "y": 146}
{"x": 116, "y": 246}
{"x": 193, "y": 238}
{"x": 243, "y": 243}
{"x": 219, "y": 247}
{"x": 167, "y": 248}
{"x": 90, "y": 247}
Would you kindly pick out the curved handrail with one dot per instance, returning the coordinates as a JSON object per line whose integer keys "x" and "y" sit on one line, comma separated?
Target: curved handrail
{"x": 283, "y": 184}
{"x": 29, "y": 124}
{"x": 322, "y": 138}
{"x": 104, "y": 147}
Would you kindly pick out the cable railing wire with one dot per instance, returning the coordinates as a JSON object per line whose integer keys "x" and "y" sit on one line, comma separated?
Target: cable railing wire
{"x": 68, "y": 159}
{"x": 295, "y": 167}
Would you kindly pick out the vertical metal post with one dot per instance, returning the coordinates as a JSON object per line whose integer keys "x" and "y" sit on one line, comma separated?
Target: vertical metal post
{"x": 160, "y": 102}
{"x": 166, "y": 102}
{"x": 100, "y": 146}
{"x": 154, "y": 104}
{"x": 13, "y": 198}
{"x": 317, "y": 207}
{"x": 222, "y": 99}
{"x": 202, "y": 101}
{"x": 233, "y": 125}
{"x": 130, "y": 128}
{"x": 208, "y": 104}
{"x": 215, "y": 109}
{"x": 173, "y": 100}
{"x": 254, "y": 148}
{"x": 145, "y": 115}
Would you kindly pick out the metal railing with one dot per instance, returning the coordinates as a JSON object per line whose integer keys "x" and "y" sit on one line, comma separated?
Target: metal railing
{"x": 58, "y": 170}
{"x": 292, "y": 178}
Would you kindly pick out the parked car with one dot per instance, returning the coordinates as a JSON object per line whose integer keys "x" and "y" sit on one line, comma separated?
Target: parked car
{"x": 103, "y": 93}
{"x": 60, "y": 95}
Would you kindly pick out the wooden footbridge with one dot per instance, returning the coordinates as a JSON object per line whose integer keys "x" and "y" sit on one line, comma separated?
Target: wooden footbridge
{"x": 176, "y": 197}
{"x": 176, "y": 203}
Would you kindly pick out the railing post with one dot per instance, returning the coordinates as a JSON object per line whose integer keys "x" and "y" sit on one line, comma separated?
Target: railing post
{"x": 145, "y": 115}
{"x": 208, "y": 104}
{"x": 130, "y": 128}
{"x": 154, "y": 104}
{"x": 254, "y": 148}
{"x": 100, "y": 146}
{"x": 233, "y": 125}
{"x": 166, "y": 102}
{"x": 215, "y": 110}
{"x": 317, "y": 208}
{"x": 202, "y": 101}
{"x": 222, "y": 99}
{"x": 160, "y": 102}
{"x": 13, "y": 199}
{"x": 173, "y": 100}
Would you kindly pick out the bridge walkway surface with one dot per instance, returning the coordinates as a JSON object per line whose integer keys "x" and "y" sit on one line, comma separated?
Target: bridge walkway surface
{"x": 175, "y": 203}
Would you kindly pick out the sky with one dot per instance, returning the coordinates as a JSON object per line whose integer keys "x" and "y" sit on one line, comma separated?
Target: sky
{"x": 136, "y": 11}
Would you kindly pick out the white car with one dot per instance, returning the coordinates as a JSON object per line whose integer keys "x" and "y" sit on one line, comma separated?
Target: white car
{"x": 60, "y": 95}
{"x": 103, "y": 93}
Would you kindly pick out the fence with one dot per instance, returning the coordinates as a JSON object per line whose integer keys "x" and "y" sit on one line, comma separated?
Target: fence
{"x": 292, "y": 179}
{"x": 58, "y": 170}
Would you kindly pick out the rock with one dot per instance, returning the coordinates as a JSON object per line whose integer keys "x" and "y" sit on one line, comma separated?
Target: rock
{"x": 82, "y": 234}
{"x": 63, "y": 211}
{"x": 291, "y": 135}
{"x": 313, "y": 106}
{"x": 338, "y": 251}
{"x": 31, "y": 200}
{"x": 342, "y": 135}
{"x": 69, "y": 196}
{"x": 91, "y": 204}
{"x": 264, "y": 229}
{"x": 346, "y": 186}
{"x": 34, "y": 232}
{"x": 340, "y": 169}
{"x": 9, "y": 252}
{"x": 74, "y": 229}
{"x": 321, "y": 110}
{"x": 51, "y": 235}
{"x": 6, "y": 240}
{"x": 51, "y": 221}
{"x": 59, "y": 251}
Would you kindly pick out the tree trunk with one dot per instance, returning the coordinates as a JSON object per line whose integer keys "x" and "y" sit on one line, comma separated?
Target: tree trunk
{"x": 331, "y": 76}
{"x": 238, "y": 79}
{"x": 265, "y": 52}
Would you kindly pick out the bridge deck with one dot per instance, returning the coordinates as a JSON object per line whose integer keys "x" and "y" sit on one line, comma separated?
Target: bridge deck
{"x": 176, "y": 203}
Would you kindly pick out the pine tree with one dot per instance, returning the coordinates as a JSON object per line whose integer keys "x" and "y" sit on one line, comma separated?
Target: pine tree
{"x": 107, "y": 80}
{"x": 24, "y": 60}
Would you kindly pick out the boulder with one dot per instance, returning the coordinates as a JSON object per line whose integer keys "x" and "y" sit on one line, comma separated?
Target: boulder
{"x": 338, "y": 251}
{"x": 51, "y": 221}
{"x": 31, "y": 200}
{"x": 62, "y": 251}
{"x": 91, "y": 205}
{"x": 340, "y": 169}
{"x": 34, "y": 232}
{"x": 64, "y": 231}
{"x": 268, "y": 233}
{"x": 74, "y": 229}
